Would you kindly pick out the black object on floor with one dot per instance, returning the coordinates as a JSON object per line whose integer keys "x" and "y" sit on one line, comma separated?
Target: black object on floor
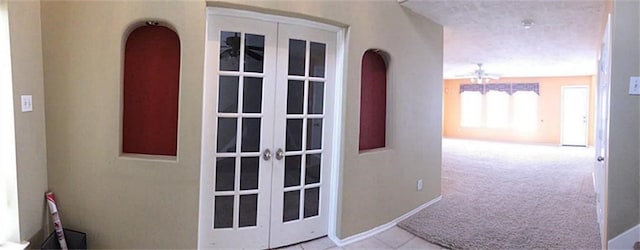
{"x": 75, "y": 240}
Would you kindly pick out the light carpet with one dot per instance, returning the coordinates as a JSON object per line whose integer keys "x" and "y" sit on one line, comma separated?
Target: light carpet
{"x": 511, "y": 196}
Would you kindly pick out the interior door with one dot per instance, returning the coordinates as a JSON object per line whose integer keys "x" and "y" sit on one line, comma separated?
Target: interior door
{"x": 575, "y": 113}
{"x": 237, "y": 130}
{"x": 267, "y": 126}
{"x": 602, "y": 134}
{"x": 306, "y": 59}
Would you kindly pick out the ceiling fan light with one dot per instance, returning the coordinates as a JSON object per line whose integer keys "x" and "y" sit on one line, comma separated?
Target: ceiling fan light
{"x": 527, "y": 23}
{"x": 480, "y": 77}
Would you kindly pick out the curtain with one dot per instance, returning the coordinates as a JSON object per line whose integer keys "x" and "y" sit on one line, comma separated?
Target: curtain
{"x": 509, "y": 88}
{"x": 503, "y": 87}
{"x": 525, "y": 87}
{"x": 471, "y": 87}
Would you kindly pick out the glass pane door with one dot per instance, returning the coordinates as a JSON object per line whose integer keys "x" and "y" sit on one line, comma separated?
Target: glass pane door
{"x": 266, "y": 126}
{"x": 304, "y": 122}
{"x": 302, "y": 132}
{"x": 238, "y": 127}
{"x": 237, "y": 164}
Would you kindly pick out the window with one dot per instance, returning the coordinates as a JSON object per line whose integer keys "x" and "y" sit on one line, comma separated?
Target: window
{"x": 497, "y": 109}
{"x": 471, "y": 109}
{"x": 373, "y": 101}
{"x": 150, "y": 91}
{"x": 525, "y": 110}
{"x": 500, "y": 100}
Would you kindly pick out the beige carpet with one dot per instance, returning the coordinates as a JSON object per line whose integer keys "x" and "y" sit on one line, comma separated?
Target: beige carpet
{"x": 511, "y": 196}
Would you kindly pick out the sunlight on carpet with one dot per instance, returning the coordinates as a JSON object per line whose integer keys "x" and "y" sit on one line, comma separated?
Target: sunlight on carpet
{"x": 511, "y": 196}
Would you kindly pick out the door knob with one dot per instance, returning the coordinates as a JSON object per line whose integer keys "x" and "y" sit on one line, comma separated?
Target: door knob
{"x": 600, "y": 158}
{"x": 266, "y": 155}
{"x": 279, "y": 154}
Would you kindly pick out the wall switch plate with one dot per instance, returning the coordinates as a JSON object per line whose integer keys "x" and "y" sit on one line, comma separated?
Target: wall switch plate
{"x": 419, "y": 185}
{"x": 634, "y": 85}
{"x": 27, "y": 103}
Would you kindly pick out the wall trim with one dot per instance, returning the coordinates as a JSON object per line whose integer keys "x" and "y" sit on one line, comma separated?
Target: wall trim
{"x": 339, "y": 124}
{"x": 626, "y": 240}
{"x": 252, "y": 14}
{"x": 381, "y": 228}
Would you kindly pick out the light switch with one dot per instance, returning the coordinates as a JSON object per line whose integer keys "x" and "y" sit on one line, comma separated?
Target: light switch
{"x": 634, "y": 85}
{"x": 27, "y": 103}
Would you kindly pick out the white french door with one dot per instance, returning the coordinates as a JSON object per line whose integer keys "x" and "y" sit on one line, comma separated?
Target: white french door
{"x": 267, "y": 127}
{"x": 575, "y": 113}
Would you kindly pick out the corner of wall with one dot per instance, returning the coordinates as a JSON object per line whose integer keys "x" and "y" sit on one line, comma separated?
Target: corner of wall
{"x": 26, "y": 66}
{"x": 624, "y": 139}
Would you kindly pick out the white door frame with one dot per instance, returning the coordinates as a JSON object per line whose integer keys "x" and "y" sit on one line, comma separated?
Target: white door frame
{"x": 337, "y": 139}
{"x": 562, "y": 110}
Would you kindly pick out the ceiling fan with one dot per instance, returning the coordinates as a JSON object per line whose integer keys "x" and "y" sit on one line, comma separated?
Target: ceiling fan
{"x": 479, "y": 76}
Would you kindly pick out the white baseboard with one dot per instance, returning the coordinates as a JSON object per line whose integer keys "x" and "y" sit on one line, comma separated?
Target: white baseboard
{"x": 381, "y": 228}
{"x": 625, "y": 240}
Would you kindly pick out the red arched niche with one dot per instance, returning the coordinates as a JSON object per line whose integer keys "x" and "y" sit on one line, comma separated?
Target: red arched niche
{"x": 150, "y": 91}
{"x": 373, "y": 101}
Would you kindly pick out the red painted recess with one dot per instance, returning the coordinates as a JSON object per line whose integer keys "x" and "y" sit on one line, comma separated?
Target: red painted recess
{"x": 151, "y": 87}
{"x": 373, "y": 101}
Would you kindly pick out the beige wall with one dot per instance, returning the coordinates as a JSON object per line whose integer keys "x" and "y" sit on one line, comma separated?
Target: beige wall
{"x": 624, "y": 141}
{"x": 119, "y": 202}
{"x": 26, "y": 65}
{"x": 132, "y": 203}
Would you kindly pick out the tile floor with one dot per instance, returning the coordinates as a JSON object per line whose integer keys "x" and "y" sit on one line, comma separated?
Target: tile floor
{"x": 394, "y": 238}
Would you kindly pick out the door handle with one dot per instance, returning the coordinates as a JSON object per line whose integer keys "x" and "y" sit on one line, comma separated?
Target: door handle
{"x": 266, "y": 155}
{"x": 279, "y": 154}
{"x": 600, "y": 159}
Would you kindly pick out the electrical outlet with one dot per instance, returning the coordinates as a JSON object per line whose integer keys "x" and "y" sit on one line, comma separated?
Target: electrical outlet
{"x": 27, "y": 103}
{"x": 419, "y": 185}
{"x": 634, "y": 85}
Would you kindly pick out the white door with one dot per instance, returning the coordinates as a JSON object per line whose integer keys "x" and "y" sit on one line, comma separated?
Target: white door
{"x": 602, "y": 134}
{"x": 305, "y": 88}
{"x": 267, "y": 126}
{"x": 575, "y": 112}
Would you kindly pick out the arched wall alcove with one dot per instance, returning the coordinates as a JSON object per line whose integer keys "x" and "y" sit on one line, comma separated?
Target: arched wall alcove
{"x": 373, "y": 100}
{"x": 151, "y": 84}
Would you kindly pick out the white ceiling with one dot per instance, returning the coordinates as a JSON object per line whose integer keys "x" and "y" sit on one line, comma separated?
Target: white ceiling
{"x": 563, "y": 41}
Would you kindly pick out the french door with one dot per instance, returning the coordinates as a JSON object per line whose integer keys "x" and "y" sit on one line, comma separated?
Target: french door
{"x": 267, "y": 127}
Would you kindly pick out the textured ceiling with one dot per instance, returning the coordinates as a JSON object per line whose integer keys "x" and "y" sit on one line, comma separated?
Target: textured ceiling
{"x": 563, "y": 41}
